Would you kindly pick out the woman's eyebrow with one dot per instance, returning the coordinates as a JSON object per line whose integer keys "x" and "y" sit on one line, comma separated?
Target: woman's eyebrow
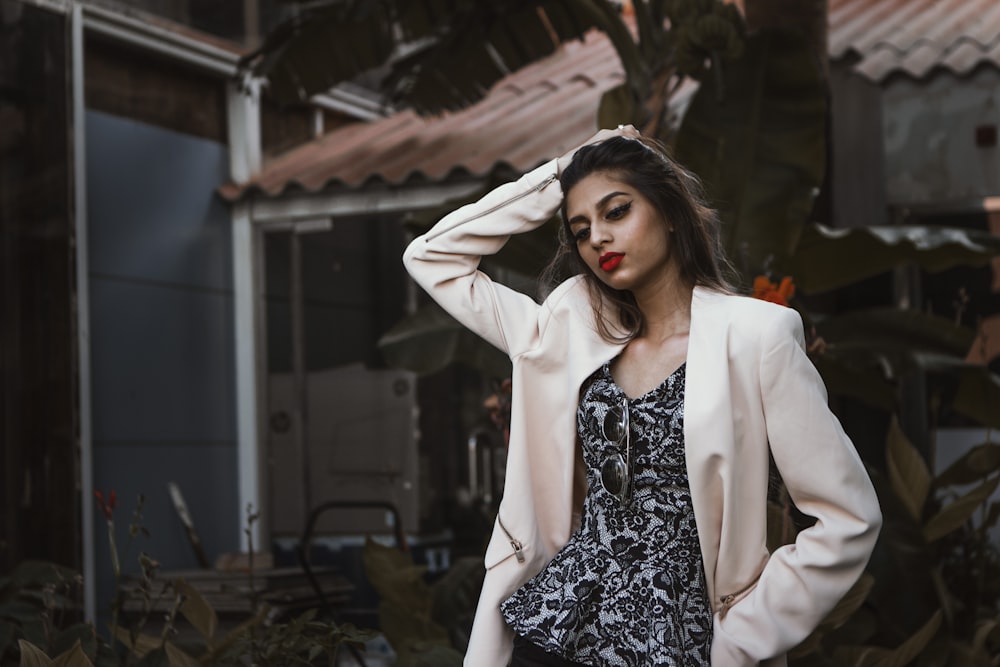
{"x": 601, "y": 203}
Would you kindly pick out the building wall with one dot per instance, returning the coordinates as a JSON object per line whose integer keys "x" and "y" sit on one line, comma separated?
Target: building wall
{"x": 162, "y": 336}
{"x": 858, "y": 179}
{"x": 39, "y": 471}
{"x": 930, "y": 137}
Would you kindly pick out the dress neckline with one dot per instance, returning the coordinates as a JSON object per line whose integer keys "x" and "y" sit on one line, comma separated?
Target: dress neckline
{"x": 645, "y": 396}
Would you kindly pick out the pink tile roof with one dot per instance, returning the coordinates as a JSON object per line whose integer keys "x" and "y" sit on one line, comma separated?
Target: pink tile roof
{"x": 544, "y": 109}
{"x": 528, "y": 117}
{"x": 913, "y": 37}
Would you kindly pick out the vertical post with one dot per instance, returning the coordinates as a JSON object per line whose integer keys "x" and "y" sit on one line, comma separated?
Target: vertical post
{"x": 301, "y": 391}
{"x": 243, "y": 107}
{"x": 83, "y": 314}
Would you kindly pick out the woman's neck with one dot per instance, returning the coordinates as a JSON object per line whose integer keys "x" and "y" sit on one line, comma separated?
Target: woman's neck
{"x": 666, "y": 308}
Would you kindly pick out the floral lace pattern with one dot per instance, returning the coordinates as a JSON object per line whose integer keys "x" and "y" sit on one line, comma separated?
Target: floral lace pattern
{"x": 629, "y": 586}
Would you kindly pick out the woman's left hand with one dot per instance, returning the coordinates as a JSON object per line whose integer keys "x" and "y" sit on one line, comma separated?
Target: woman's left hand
{"x": 621, "y": 131}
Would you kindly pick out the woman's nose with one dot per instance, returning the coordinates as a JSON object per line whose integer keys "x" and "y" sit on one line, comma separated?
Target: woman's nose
{"x": 599, "y": 234}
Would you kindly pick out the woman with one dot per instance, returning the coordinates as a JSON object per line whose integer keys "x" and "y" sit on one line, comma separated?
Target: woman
{"x": 678, "y": 392}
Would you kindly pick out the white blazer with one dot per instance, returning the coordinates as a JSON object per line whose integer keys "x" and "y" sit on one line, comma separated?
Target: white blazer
{"x": 750, "y": 390}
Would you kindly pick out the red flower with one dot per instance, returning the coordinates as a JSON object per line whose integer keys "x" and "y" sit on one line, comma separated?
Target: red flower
{"x": 764, "y": 289}
{"x": 108, "y": 508}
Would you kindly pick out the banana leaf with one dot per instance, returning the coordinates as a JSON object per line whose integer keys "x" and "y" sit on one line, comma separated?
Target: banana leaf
{"x": 430, "y": 339}
{"x": 856, "y": 376}
{"x": 904, "y": 328}
{"x": 868, "y": 369}
{"x": 979, "y": 462}
{"x": 761, "y": 152}
{"x": 828, "y": 258}
{"x": 431, "y": 55}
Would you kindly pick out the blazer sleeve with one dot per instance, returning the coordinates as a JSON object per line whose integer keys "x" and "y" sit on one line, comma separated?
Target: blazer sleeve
{"x": 826, "y": 479}
{"x": 445, "y": 260}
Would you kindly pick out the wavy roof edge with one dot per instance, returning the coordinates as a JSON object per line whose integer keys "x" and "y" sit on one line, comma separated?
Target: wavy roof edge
{"x": 234, "y": 191}
{"x": 914, "y": 38}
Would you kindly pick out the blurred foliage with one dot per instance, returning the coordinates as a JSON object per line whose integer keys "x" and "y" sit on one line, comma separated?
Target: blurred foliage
{"x": 932, "y": 590}
{"x": 428, "y": 626}
{"x": 761, "y": 151}
{"x": 38, "y": 609}
{"x": 430, "y": 55}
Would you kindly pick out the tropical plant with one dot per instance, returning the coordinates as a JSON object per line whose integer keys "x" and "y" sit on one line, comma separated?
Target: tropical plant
{"x": 38, "y": 609}
{"x": 937, "y": 529}
{"x": 427, "y": 625}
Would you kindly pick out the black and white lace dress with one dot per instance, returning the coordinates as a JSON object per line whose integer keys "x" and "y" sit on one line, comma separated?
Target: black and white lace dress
{"x": 629, "y": 587}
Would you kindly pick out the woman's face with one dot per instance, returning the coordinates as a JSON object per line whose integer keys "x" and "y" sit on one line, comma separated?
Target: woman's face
{"x": 620, "y": 234}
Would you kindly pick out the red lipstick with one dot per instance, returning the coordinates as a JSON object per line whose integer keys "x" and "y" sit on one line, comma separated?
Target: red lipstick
{"x": 610, "y": 260}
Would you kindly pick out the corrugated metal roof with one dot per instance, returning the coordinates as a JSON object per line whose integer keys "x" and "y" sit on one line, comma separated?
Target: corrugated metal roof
{"x": 528, "y": 117}
{"x": 914, "y": 37}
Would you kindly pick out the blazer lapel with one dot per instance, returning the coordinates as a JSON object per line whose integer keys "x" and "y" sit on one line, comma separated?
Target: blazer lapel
{"x": 706, "y": 423}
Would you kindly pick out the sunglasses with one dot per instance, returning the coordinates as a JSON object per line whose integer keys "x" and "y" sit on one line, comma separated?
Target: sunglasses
{"x": 616, "y": 472}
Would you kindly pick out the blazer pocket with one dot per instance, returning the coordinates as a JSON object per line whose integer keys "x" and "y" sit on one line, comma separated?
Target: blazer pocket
{"x": 503, "y": 545}
{"x": 729, "y": 600}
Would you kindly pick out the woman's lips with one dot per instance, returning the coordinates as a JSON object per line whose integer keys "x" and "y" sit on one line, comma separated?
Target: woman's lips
{"x": 609, "y": 261}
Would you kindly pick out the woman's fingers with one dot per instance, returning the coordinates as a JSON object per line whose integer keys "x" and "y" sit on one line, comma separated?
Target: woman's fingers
{"x": 620, "y": 131}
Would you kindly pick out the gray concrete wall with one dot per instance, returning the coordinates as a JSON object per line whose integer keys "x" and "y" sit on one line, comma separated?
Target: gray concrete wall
{"x": 162, "y": 338}
{"x": 930, "y": 137}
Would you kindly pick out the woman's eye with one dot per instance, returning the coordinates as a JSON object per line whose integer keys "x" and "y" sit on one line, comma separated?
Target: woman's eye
{"x": 582, "y": 234}
{"x": 619, "y": 211}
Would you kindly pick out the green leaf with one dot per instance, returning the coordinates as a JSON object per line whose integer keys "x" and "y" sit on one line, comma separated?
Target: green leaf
{"x": 983, "y": 633}
{"x": 910, "y": 329}
{"x": 452, "y": 56}
{"x": 455, "y": 596}
{"x": 197, "y": 611}
{"x": 80, "y": 633}
{"x": 954, "y": 515}
{"x": 851, "y": 602}
{"x": 846, "y": 374}
{"x": 908, "y": 472}
{"x": 237, "y": 634}
{"x": 974, "y": 389}
{"x": 912, "y": 647}
{"x": 618, "y": 107}
{"x": 780, "y": 529}
{"x": 992, "y": 516}
{"x": 37, "y": 573}
{"x": 178, "y": 658}
{"x": 977, "y": 463}
{"x": 142, "y": 646}
{"x": 318, "y": 48}
{"x": 74, "y": 657}
{"x": 430, "y": 339}
{"x": 32, "y": 656}
{"x": 762, "y": 152}
{"x": 406, "y": 601}
{"x": 827, "y": 258}
{"x": 978, "y": 395}
{"x": 157, "y": 658}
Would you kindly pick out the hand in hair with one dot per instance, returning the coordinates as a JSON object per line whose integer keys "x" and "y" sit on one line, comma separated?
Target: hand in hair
{"x": 620, "y": 131}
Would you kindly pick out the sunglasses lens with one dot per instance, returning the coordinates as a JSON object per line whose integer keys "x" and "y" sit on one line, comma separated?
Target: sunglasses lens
{"x": 613, "y": 474}
{"x": 615, "y": 424}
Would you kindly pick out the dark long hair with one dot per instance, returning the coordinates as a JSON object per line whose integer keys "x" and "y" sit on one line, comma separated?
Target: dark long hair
{"x": 645, "y": 165}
